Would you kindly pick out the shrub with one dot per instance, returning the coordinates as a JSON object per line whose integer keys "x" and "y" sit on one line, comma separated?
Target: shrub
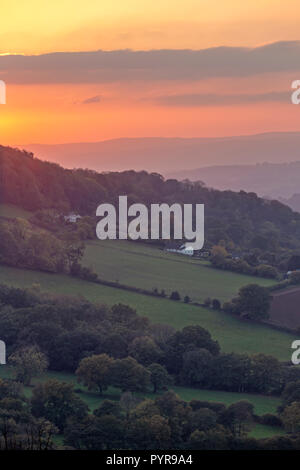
{"x": 295, "y": 277}
{"x": 270, "y": 420}
{"x": 216, "y": 304}
{"x": 175, "y": 295}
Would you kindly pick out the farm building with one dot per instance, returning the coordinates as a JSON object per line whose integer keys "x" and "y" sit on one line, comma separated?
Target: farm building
{"x": 183, "y": 250}
{"x": 72, "y": 218}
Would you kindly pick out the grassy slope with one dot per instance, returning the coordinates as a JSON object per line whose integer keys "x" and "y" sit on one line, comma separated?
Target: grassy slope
{"x": 8, "y": 210}
{"x": 233, "y": 334}
{"x": 143, "y": 266}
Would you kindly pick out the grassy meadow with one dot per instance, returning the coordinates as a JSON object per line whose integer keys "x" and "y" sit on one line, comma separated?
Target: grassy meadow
{"x": 234, "y": 335}
{"x": 143, "y": 266}
{"x": 10, "y": 211}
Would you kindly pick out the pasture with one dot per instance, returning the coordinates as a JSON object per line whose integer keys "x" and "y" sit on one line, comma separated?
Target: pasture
{"x": 233, "y": 334}
{"x": 12, "y": 212}
{"x": 141, "y": 265}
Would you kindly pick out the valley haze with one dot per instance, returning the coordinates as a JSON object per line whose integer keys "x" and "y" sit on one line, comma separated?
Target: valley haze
{"x": 169, "y": 154}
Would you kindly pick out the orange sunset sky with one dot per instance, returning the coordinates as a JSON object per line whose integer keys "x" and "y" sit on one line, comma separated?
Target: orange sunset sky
{"x": 206, "y": 69}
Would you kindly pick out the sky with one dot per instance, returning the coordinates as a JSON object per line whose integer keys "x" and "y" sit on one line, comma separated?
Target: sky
{"x": 94, "y": 70}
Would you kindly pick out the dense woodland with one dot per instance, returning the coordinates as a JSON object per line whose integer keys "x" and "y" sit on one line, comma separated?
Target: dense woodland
{"x": 242, "y": 221}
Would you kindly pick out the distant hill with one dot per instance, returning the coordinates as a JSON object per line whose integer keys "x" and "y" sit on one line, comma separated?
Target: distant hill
{"x": 238, "y": 217}
{"x": 272, "y": 180}
{"x": 171, "y": 154}
{"x": 293, "y": 202}
{"x": 269, "y": 180}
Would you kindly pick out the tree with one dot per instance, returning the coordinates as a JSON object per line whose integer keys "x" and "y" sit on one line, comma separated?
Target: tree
{"x": 254, "y": 301}
{"x": 294, "y": 262}
{"x": 218, "y": 256}
{"x": 161, "y": 333}
{"x": 188, "y": 339}
{"x": 239, "y": 417}
{"x": 231, "y": 372}
{"x": 219, "y": 250}
{"x": 28, "y": 363}
{"x": 108, "y": 407}
{"x": 291, "y": 417}
{"x": 105, "y": 432}
{"x": 128, "y": 402}
{"x": 95, "y": 371}
{"x": 196, "y": 367}
{"x": 145, "y": 350}
{"x": 295, "y": 278}
{"x": 265, "y": 270}
{"x": 216, "y": 304}
{"x": 175, "y": 295}
{"x": 56, "y": 401}
{"x": 128, "y": 375}
{"x": 123, "y": 313}
{"x": 149, "y": 432}
{"x": 73, "y": 345}
{"x": 266, "y": 374}
{"x": 214, "y": 439}
{"x": 291, "y": 392}
{"x": 186, "y": 299}
{"x": 74, "y": 253}
{"x": 114, "y": 344}
{"x": 159, "y": 377}
{"x": 39, "y": 433}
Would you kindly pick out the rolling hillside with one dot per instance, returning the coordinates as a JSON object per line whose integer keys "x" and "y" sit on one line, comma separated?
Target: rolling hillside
{"x": 142, "y": 266}
{"x": 233, "y": 334}
{"x": 12, "y": 211}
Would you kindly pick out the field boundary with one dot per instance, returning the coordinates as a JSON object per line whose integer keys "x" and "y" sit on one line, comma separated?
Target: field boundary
{"x": 141, "y": 291}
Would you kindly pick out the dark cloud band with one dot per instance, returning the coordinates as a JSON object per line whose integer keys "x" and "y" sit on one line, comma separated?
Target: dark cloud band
{"x": 195, "y": 100}
{"x": 126, "y": 65}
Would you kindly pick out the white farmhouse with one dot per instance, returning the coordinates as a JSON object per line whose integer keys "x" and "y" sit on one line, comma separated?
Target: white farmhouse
{"x": 183, "y": 250}
{"x": 186, "y": 250}
{"x": 72, "y": 218}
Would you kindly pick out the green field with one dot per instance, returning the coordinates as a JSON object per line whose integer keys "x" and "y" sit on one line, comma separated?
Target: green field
{"x": 10, "y": 211}
{"x": 233, "y": 334}
{"x": 261, "y": 431}
{"x": 262, "y": 404}
{"x": 140, "y": 265}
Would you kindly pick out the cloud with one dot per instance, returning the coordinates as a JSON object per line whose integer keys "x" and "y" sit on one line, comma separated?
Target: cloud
{"x": 195, "y": 100}
{"x": 93, "y": 99}
{"x": 127, "y": 65}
